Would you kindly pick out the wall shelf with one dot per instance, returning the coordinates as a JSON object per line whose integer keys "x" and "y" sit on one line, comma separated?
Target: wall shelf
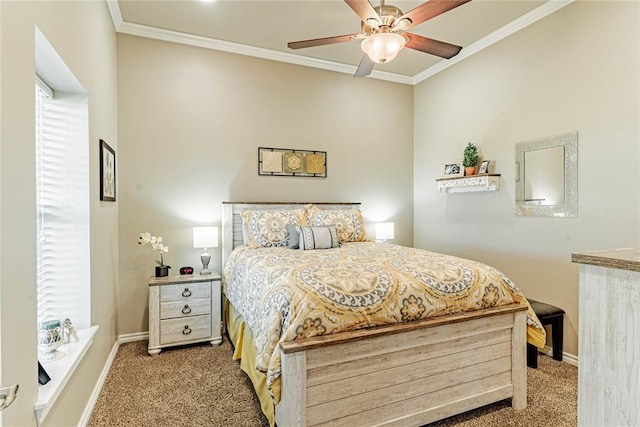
{"x": 465, "y": 184}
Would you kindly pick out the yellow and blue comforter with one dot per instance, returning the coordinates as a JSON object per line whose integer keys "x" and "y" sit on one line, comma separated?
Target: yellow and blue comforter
{"x": 286, "y": 294}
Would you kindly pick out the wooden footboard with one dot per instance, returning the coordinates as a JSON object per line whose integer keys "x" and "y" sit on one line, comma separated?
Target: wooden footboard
{"x": 406, "y": 374}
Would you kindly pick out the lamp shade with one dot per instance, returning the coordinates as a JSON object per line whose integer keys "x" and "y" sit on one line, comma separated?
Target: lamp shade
{"x": 205, "y": 237}
{"x": 384, "y": 230}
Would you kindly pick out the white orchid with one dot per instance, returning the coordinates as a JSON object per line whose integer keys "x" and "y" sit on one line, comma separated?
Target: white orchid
{"x": 156, "y": 244}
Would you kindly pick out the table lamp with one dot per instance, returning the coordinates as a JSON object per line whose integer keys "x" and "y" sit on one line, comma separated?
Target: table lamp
{"x": 205, "y": 237}
{"x": 384, "y": 231}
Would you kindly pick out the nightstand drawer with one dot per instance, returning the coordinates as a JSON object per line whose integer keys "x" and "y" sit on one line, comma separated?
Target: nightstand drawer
{"x": 185, "y": 292}
{"x": 186, "y": 329}
{"x": 191, "y": 307}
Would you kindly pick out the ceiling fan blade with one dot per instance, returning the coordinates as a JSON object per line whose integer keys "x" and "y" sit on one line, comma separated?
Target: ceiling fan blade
{"x": 428, "y": 10}
{"x": 365, "y": 67}
{"x": 434, "y": 47}
{"x": 364, "y": 10}
{"x": 322, "y": 41}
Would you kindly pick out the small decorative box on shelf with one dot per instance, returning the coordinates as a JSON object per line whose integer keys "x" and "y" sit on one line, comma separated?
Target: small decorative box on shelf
{"x": 465, "y": 184}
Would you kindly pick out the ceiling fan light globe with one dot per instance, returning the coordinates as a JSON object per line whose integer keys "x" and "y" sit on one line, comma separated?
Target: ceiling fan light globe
{"x": 372, "y": 23}
{"x": 402, "y": 24}
{"x": 383, "y": 47}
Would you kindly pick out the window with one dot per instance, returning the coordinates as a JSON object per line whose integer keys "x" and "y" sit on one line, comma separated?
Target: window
{"x": 63, "y": 222}
{"x": 63, "y": 217}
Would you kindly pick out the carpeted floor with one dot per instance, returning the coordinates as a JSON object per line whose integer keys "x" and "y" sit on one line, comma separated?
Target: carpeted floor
{"x": 201, "y": 386}
{"x": 183, "y": 386}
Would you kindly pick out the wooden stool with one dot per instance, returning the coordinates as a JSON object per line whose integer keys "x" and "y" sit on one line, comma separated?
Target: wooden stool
{"x": 548, "y": 315}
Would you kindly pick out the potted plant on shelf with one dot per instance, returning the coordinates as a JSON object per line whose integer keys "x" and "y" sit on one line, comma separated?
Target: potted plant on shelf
{"x": 470, "y": 159}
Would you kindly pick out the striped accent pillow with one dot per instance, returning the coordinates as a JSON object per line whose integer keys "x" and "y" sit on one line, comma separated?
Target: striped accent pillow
{"x": 322, "y": 237}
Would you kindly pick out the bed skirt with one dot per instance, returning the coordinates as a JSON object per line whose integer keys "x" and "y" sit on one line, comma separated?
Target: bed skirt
{"x": 242, "y": 339}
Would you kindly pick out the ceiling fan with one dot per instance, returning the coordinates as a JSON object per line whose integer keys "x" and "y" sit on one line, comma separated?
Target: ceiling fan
{"x": 384, "y": 32}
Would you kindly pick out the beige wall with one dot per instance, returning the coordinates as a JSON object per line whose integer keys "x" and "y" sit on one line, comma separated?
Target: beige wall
{"x": 190, "y": 124}
{"x": 83, "y": 35}
{"x": 576, "y": 70}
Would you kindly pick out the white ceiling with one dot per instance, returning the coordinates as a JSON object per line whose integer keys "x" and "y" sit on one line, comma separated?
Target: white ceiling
{"x": 262, "y": 28}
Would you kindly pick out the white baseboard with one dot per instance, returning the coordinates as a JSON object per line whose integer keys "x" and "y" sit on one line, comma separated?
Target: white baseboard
{"x": 138, "y": 336}
{"x": 86, "y": 415}
{"x": 569, "y": 358}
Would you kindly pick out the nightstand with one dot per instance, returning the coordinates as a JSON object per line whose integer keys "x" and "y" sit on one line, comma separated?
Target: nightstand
{"x": 184, "y": 310}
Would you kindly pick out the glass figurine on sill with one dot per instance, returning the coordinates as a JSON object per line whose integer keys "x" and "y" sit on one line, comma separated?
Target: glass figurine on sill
{"x": 69, "y": 333}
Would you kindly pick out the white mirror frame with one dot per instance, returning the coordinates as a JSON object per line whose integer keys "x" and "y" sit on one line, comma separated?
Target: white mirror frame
{"x": 570, "y": 207}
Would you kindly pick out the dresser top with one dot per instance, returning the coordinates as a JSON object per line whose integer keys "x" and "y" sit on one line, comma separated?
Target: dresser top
{"x": 185, "y": 278}
{"x": 623, "y": 259}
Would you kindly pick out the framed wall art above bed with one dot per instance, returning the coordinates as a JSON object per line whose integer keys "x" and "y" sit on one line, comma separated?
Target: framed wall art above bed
{"x": 290, "y": 162}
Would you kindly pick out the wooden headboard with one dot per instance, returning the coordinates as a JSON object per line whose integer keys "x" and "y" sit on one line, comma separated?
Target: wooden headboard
{"x": 232, "y": 222}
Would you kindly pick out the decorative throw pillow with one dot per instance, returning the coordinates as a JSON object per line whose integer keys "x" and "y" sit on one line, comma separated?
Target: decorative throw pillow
{"x": 294, "y": 236}
{"x": 269, "y": 228}
{"x": 325, "y": 237}
{"x": 349, "y": 222}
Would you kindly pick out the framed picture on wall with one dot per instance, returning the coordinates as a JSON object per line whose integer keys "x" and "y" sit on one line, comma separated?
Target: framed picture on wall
{"x": 452, "y": 169}
{"x": 290, "y": 162}
{"x": 484, "y": 166}
{"x": 107, "y": 172}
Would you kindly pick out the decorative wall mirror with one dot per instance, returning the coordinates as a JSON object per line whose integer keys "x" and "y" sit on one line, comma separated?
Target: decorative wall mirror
{"x": 547, "y": 176}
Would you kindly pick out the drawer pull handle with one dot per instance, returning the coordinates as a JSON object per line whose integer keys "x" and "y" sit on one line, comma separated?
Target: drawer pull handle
{"x": 186, "y": 309}
{"x": 186, "y": 292}
{"x": 186, "y": 330}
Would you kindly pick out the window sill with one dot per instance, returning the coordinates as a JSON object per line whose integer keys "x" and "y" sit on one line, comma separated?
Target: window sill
{"x": 60, "y": 371}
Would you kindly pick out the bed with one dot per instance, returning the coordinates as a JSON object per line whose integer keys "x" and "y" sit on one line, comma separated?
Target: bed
{"x": 325, "y": 370}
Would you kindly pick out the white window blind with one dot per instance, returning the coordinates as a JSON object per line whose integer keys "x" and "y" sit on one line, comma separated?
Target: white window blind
{"x": 62, "y": 178}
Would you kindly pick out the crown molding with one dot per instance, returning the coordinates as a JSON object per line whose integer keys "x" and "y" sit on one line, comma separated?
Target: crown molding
{"x": 257, "y": 52}
{"x": 116, "y": 15}
{"x": 514, "y": 26}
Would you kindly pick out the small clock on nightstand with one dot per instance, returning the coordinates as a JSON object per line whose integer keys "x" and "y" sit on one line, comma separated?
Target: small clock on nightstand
{"x": 184, "y": 310}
